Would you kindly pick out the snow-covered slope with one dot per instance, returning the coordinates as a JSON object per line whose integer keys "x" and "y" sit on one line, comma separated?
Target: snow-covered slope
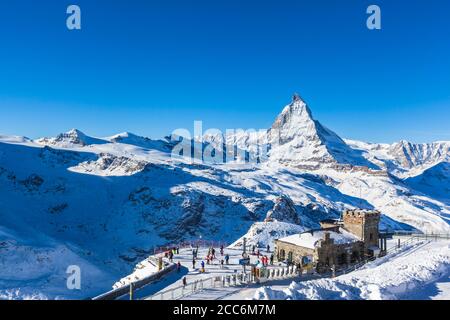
{"x": 142, "y": 142}
{"x": 434, "y": 182}
{"x": 262, "y": 234}
{"x": 106, "y": 202}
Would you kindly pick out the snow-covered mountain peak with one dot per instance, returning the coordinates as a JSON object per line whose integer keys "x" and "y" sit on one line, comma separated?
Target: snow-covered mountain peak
{"x": 139, "y": 141}
{"x": 71, "y": 138}
{"x": 300, "y": 140}
{"x": 124, "y": 136}
{"x": 297, "y": 106}
{"x": 296, "y": 118}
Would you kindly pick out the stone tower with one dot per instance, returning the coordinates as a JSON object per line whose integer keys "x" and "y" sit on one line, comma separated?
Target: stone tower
{"x": 363, "y": 224}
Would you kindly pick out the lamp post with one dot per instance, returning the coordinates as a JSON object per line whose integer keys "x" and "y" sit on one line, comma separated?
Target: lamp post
{"x": 131, "y": 290}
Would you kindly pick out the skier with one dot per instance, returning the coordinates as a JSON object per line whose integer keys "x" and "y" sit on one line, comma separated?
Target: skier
{"x": 213, "y": 253}
{"x": 178, "y": 267}
{"x": 253, "y": 249}
{"x": 221, "y": 263}
{"x": 227, "y": 258}
{"x": 271, "y": 259}
{"x": 178, "y": 250}
{"x": 171, "y": 256}
{"x": 193, "y": 263}
{"x": 221, "y": 250}
{"x": 268, "y": 248}
{"x": 203, "y": 266}
{"x": 184, "y": 282}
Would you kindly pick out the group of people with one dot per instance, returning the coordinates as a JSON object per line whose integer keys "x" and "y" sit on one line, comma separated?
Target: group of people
{"x": 171, "y": 252}
{"x": 210, "y": 257}
{"x": 265, "y": 260}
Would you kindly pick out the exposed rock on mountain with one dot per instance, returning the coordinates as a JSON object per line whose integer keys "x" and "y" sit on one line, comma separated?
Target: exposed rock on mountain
{"x": 410, "y": 155}
{"x": 108, "y": 164}
{"x": 283, "y": 210}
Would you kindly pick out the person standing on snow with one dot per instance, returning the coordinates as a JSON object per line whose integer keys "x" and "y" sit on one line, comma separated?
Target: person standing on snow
{"x": 203, "y": 266}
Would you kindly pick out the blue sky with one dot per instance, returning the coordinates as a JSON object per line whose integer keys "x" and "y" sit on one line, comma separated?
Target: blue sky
{"x": 153, "y": 66}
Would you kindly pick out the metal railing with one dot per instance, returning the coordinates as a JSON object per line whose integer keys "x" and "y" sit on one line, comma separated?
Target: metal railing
{"x": 426, "y": 236}
{"x": 190, "y": 244}
{"x": 232, "y": 280}
{"x": 389, "y": 252}
{"x": 129, "y": 289}
{"x": 202, "y": 284}
{"x": 431, "y": 236}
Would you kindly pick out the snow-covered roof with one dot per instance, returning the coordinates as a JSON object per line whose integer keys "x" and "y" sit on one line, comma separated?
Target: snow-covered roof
{"x": 311, "y": 240}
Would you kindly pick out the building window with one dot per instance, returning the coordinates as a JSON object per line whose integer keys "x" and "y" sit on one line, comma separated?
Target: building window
{"x": 290, "y": 257}
{"x": 282, "y": 254}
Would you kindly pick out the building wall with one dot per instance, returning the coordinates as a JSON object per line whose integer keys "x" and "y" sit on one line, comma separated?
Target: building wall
{"x": 325, "y": 256}
{"x": 331, "y": 254}
{"x": 297, "y": 252}
{"x": 363, "y": 224}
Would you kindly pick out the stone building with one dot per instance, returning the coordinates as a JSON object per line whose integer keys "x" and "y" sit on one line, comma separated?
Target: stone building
{"x": 337, "y": 243}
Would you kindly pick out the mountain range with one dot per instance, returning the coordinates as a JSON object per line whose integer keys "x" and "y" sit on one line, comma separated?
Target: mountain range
{"x": 105, "y": 203}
